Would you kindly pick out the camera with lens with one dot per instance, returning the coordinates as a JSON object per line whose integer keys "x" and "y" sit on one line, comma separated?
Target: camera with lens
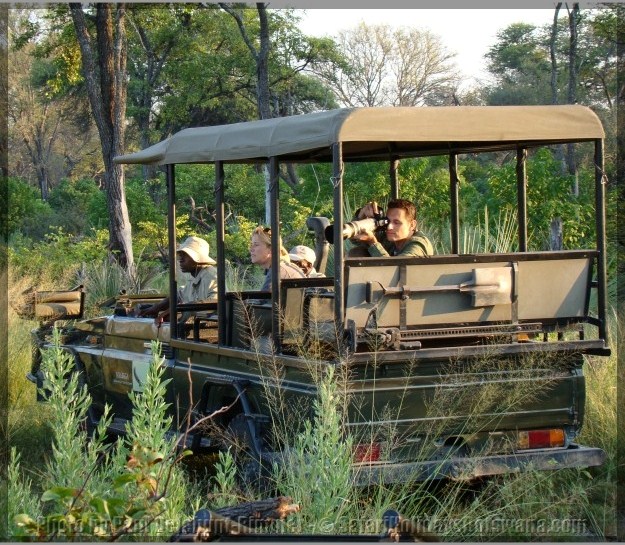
{"x": 350, "y": 229}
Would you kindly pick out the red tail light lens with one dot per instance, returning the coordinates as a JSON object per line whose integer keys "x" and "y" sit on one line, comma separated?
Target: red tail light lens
{"x": 367, "y": 452}
{"x": 541, "y": 439}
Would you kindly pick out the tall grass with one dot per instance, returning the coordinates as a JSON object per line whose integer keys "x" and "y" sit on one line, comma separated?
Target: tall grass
{"x": 497, "y": 234}
{"x": 27, "y": 419}
{"x": 106, "y": 279}
{"x": 97, "y": 490}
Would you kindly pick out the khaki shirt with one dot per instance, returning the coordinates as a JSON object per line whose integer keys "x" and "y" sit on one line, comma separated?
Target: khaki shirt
{"x": 201, "y": 287}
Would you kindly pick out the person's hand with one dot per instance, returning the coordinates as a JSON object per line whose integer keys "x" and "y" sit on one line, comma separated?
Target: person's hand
{"x": 161, "y": 317}
{"x": 365, "y": 237}
{"x": 143, "y": 312}
{"x": 369, "y": 210}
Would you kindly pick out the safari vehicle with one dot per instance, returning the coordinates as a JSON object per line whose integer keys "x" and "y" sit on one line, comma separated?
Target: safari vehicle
{"x": 460, "y": 365}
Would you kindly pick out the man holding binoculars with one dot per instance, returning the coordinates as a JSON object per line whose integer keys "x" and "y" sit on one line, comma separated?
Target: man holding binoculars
{"x": 400, "y": 237}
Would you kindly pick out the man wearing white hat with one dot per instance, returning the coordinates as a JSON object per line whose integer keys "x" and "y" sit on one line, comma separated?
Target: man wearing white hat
{"x": 193, "y": 258}
{"x": 304, "y": 257}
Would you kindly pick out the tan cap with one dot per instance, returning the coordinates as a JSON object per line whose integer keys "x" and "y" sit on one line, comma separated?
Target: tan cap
{"x": 298, "y": 253}
{"x": 197, "y": 248}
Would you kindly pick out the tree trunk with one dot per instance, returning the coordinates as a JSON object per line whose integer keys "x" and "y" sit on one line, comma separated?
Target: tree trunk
{"x": 261, "y": 58}
{"x": 262, "y": 90}
{"x": 106, "y": 86}
{"x": 555, "y": 234}
{"x": 559, "y": 151}
{"x": 552, "y": 52}
{"x": 574, "y": 17}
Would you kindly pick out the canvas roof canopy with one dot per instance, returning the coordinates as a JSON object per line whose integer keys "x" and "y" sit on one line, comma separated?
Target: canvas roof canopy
{"x": 376, "y": 133}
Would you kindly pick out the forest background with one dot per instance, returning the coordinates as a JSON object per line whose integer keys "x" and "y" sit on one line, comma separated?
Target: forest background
{"x": 87, "y": 84}
{"x": 153, "y": 70}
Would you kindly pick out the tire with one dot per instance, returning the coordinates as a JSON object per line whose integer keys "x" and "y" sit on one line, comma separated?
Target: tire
{"x": 90, "y": 422}
{"x": 252, "y": 474}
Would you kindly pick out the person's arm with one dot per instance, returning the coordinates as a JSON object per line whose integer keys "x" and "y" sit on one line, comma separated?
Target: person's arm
{"x": 155, "y": 308}
{"x": 377, "y": 250}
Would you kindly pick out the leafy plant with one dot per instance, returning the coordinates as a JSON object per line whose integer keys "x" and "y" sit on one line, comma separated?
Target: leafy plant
{"x": 317, "y": 471}
{"x": 98, "y": 490}
{"x": 225, "y": 480}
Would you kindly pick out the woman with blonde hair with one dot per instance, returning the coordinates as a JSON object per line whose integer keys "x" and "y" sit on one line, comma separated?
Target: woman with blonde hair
{"x": 260, "y": 254}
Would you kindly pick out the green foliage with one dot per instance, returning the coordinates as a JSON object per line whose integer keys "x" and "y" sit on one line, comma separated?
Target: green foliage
{"x": 26, "y": 211}
{"x": 66, "y": 392}
{"x": 104, "y": 279}
{"x": 521, "y": 64}
{"x": 245, "y": 188}
{"x": 549, "y": 195}
{"x": 317, "y": 473}
{"x": 520, "y": 60}
{"x": 58, "y": 255}
{"x": 237, "y": 238}
{"x": 210, "y": 76}
{"x": 20, "y": 495}
{"x": 151, "y": 422}
{"x": 72, "y": 202}
{"x": 96, "y": 491}
{"x": 225, "y": 480}
{"x": 141, "y": 207}
{"x": 152, "y": 443}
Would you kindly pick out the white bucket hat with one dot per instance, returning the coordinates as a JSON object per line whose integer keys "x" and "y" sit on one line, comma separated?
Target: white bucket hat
{"x": 298, "y": 253}
{"x": 197, "y": 248}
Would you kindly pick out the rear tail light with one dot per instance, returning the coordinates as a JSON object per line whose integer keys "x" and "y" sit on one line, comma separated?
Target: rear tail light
{"x": 367, "y": 452}
{"x": 541, "y": 439}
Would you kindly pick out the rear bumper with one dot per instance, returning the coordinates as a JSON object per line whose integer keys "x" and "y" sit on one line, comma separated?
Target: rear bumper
{"x": 470, "y": 468}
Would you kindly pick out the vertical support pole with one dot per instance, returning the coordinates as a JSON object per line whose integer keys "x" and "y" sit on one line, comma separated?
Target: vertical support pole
{"x": 393, "y": 168}
{"x": 276, "y": 298}
{"x": 521, "y": 184}
{"x": 600, "y": 181}
{"x": 453, "y": 200}
{"x": 221, "y": 257}
{"x": 171, "y": 235}
{"x": 337, "y": 183}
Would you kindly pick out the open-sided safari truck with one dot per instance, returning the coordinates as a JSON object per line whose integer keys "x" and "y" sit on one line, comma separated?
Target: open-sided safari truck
{"x": 459, "y": 365}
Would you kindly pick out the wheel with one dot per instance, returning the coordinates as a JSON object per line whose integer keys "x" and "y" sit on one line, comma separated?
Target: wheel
{"x": 251, "y": 472}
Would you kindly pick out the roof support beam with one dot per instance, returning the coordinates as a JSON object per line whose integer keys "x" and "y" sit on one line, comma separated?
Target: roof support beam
{"x": 393, "y": 168}
{"x": 221, "y": 257}
{"x": 521, "y": 184}
{"x": 453, "y": 202}
{"x": 337, "y": 182}
{"x": 600, "y": 182}
{"x": 171, "y": 233}
{"x": 276, "y": 246}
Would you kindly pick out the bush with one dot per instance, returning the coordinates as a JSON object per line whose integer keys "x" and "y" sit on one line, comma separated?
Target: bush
{"x": 26, "y": 212}
{"x": 141, "y": 206}
{"x": 59, "y": 255}
{"x": 71, "y": 202}
{"x": 132, "y": 487}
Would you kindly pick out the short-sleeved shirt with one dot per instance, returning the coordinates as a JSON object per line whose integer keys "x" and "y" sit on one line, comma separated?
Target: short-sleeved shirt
{"x": 314, "y": 274}
{"x": 201, "y": 287}
{"x": 418, "y": 245}
{"x": 287, "y": 270}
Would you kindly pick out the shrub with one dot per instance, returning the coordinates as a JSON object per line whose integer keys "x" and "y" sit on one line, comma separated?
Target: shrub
{"x": 99, "y": 491}
{"x": 316, "y": 472}
{"x": 26, "y": 212}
